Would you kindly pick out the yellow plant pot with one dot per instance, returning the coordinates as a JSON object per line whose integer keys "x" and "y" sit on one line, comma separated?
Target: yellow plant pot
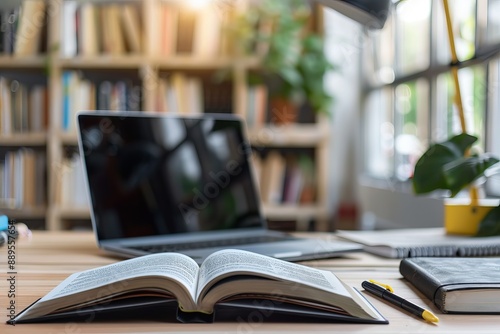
{"x": 460, "y": 217}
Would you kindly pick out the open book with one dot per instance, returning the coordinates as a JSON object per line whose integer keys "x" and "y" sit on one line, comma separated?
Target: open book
{"x": 228, "y": 278}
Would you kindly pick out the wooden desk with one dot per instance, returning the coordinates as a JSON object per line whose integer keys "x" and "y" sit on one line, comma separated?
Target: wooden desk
{"x": 49, "y": 257}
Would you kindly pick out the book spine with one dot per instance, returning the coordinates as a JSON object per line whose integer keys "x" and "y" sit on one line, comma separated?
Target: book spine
{"x": 66, "y": 79}
{"x": 421, "y": 280}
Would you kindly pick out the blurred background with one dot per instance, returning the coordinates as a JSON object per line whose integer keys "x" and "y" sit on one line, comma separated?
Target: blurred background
{"x": 337, "y": 112}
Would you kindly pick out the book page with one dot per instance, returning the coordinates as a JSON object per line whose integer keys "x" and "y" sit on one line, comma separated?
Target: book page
{"x": 178, "y": 267}
{"x": 237, "y": 261}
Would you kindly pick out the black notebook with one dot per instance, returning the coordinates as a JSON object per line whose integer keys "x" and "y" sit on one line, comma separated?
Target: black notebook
{"x": 422, "y": 242}
{"x": 229, "y": 283}
{"x": 457, "y": 285}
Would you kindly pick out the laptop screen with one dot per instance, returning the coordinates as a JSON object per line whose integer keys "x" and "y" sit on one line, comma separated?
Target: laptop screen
{"x": 153, "y": 174}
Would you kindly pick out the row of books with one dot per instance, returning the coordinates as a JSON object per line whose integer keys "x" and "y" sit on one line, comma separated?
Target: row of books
{"x": 91, "y": 28}
{"x": 196, "y": 31}
{"x": 23, "y": 29}
{"x": 80, "y": 93}
{"x": 23, "y": 175}
{"x": 181, "y": 94}
{"x": 285, "y": 179}
{"x": 193, "y": 94}
{"x": 23, "y": 108}
{"x": 70, "y": 177}
{"x": 188, "y": 95}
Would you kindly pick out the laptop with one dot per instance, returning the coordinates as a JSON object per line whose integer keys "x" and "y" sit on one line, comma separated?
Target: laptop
{"x": 172, "y": 183}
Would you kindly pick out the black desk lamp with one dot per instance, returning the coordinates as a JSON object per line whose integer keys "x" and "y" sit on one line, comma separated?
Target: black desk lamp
{"x": 370, "y": 13}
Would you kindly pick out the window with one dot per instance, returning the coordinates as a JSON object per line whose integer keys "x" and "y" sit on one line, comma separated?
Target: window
{"x": 412, "y": 36}
{"x": 409, "y": 95}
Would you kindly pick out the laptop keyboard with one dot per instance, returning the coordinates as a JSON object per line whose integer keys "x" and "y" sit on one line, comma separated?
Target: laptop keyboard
{"x": 211, "y": 243}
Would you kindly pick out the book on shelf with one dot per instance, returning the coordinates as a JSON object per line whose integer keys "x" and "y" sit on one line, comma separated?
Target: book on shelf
{"x": 228, "y": 283}
{"x": 92, "y": 28}
{"x": 293, "y": 182}
{"x": 167, "y": 44}
{"x": 5, "y": 107}
{"x": 69, "y": 29}
{"x": 23, "y": 107}
{"x": 23, "y": 28}
{"x": 70, "y": 177}
{"x": 10, "y": 19}
{"x": 422, "y": 242}
{"x": 130, "y": 20}
{"x": 218, "y": 98}
{"x": 207, "y": 31}
{"x": 124, "y": 95}
{"x": 194, "y": 94}
{"x": 163, "y": 100}
{"x": 186, "y": 23}
{"x": 38, "y": 108}
{"x": 256, "y": 107}
{"x": 28, "y": 37}
{"x": 273, "y": 179}
{"x": 23, "y": 178}
{"x": 113, "y": 37}
{"x": 256, "y": 161}
{"x": 456, "y": 285}
{"x": 180, "y": 93}
{"x": 19, "y": 105}
{"x": 78, "y": 94}
{"x": 178, "y": 82}
{"x": 286, "y": 180}
{"x": 87, "y": 36}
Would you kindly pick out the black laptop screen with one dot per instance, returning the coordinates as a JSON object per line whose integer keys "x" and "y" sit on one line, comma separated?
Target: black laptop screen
{"x": 155, "y": 175}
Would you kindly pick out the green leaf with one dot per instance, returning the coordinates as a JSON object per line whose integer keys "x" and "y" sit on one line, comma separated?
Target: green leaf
{"x": 428, "y": 175}
{"x": 462, "y": 172}
{"x": 490, "y": 225}
{"x": 460, "y": 143}
{"x": 291, "y": 76}
{"x": 429, "y": 170}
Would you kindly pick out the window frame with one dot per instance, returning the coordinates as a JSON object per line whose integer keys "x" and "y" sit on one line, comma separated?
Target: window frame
{"x": 486, "y": 55}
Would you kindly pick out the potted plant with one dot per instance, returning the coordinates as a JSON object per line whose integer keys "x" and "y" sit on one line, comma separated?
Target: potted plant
{"x": 454, "y": 165}
{"x": 293, "y": 62}
{"x": 449, "y": 165}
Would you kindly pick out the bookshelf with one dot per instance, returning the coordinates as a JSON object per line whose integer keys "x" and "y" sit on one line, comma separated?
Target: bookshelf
{"x": 145, "y": 64}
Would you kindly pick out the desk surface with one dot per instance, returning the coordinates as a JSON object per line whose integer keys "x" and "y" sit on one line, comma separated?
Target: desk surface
{"x": 49, "y": 257}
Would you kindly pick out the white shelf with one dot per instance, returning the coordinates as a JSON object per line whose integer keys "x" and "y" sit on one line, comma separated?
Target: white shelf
{"x": 72, "y": 213}
{"x": 290, "y": 135}
{"x": 104, "y": 62}
{"x": 24, "y": 62}
{"x": 24, "y": 139}
{"x": 25, "y": 212}
{"x": 68, "y": 138}
{"x": 197, "y": 62}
